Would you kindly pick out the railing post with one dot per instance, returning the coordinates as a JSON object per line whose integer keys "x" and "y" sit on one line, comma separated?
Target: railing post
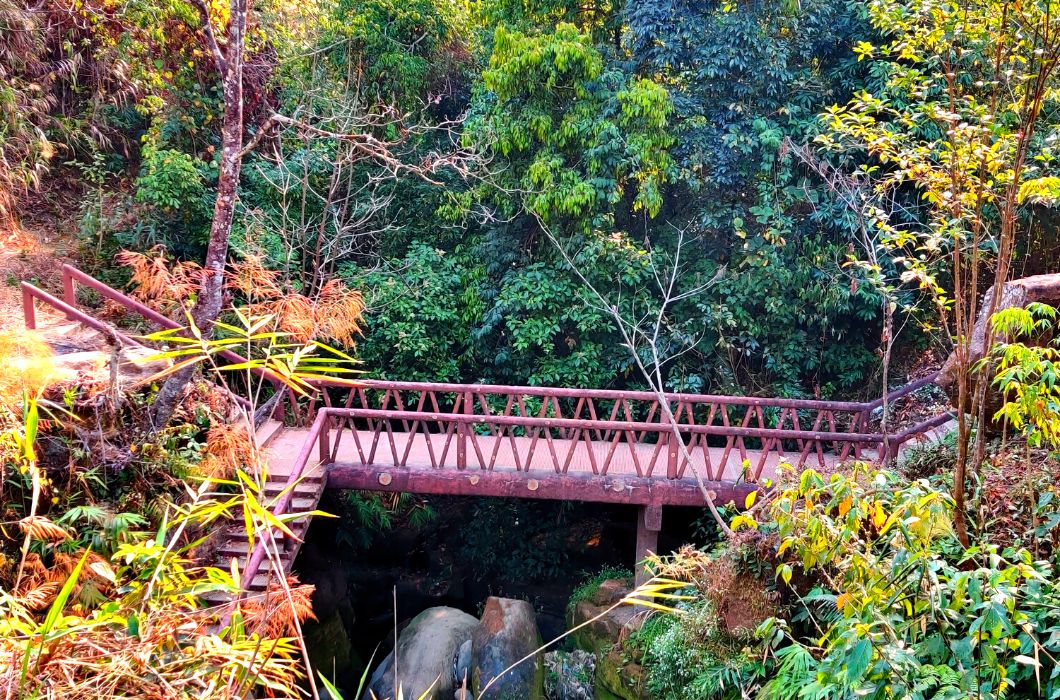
{"x": 29, "y": 313}
{"x": 893, "y": 446}
{"x": 69, "y": 293}
{"x": 461, "y": 431}
{"x": 672, "y": 449}
{"x": 278, "y": 410}
{"x": 324, "y": 440}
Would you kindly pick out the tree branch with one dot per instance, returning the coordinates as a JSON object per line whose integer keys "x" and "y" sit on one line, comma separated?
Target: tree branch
{"x": 211, "y": 38}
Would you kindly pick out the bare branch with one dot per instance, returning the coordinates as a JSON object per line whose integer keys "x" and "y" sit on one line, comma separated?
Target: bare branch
{"x": 211, "y": 38}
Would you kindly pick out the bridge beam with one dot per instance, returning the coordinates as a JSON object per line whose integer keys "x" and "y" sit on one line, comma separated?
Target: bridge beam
{"x": 512, "y": 484}
{"x": 649, "y": 523}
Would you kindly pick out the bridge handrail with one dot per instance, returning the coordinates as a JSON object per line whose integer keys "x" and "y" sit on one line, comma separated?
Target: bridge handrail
{"x": 614, "y": 394}
{"x": 608, "y": 425}
{"x": 904, "y": 390}
{"x": 71, "y": 275}
{"x": 29, "y": 314}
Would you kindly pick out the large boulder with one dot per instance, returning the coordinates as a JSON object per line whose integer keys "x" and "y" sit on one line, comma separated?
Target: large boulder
{"x": 507, "y": 633}
{"x": 604, "y": 628}
{"x": 1017, "y": 293}
{"x": 425, "y": 652}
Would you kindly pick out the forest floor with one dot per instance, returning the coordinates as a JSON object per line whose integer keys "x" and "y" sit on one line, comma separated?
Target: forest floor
{"x": 34, "y": 250}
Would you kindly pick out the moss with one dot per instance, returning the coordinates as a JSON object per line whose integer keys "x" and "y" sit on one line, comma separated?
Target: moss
{"x": 589, "y": 586}
{"x": 618, "y": 675}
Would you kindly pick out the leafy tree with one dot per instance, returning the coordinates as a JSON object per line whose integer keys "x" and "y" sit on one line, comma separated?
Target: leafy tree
{"x": 574, "y": 137}
{"x": 393, "y": 47}
{"x": 960, "y": 121}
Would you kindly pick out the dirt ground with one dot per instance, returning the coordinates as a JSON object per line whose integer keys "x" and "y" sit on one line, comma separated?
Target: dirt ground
{"x": 34, "y": 249}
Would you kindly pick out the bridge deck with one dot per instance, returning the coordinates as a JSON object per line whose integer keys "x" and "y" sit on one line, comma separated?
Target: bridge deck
{"x": 371, "y": 461}
{"x": 487, "y": 452}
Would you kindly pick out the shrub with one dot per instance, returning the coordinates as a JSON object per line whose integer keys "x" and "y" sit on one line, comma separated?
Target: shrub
{"x": 689, "y": 656}
{"x": 897, "y": 605}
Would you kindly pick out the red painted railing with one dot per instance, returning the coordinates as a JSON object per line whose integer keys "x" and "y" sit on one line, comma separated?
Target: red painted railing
{"x": 467, "y": 427}
{"x": 547, "y": 431}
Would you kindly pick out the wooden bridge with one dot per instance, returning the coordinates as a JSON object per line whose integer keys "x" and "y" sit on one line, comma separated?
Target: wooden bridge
{"x": 526, "y": 442}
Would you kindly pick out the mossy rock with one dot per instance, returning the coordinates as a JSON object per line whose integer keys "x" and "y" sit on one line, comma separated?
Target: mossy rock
{"x": 612, "y": 628}
{"x": 618, "y": 676}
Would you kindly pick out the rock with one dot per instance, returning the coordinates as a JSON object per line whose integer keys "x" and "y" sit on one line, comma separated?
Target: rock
{"x": 462, "y": 665}
{"x": 611, "y": 627}
{"x": 1017, "y": 293}
{"x": 620, "y": 677}
{"x": 425, "y": 652}
{"x": 462, "y": 694}
{"x": 506, "y": 633}
{"x": 569, "y": 675}
{"x": 741, "y": 600}
{"x": 610, "y": 592}
{"x": 379, "y": 680}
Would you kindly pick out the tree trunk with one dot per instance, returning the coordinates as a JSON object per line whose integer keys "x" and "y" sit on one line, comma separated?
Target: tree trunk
{"x": 208, "y": 304}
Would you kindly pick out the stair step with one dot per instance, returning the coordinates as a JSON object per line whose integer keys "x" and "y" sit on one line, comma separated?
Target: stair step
{"x": 308, "y": 477}
{"x": 273, "y": 488}
{"x": 215, "y": 597}
{"x": 268, "y": 431}
{"x": 238, "y": 547}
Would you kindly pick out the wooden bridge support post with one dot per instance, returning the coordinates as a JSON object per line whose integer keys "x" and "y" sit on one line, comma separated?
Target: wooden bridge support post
{"x": 649, "y": 522}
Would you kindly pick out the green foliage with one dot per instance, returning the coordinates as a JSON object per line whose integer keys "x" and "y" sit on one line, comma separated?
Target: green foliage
{"x": 370, "y": 515}
{"x": 392, "y": 44}
{"x": 897, "y": 605}
{"x": 688, "y": 657}
{"x": 587, "y": 588}
{"x": 421, "y": 324}
{"x": 169, "y": 179}
{"x": 101, "y": 530}
{"x": 600, "y": 19}
{"x": 1028, "y": 375}
{"x": 521, "y": 539}
{"x": 930, "y": 459}
{"x": 576, "y": 137}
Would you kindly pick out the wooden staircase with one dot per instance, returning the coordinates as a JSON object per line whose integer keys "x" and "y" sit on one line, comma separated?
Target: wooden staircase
{"x": 306, "y": 495}
{"x": 73, "y": 338}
